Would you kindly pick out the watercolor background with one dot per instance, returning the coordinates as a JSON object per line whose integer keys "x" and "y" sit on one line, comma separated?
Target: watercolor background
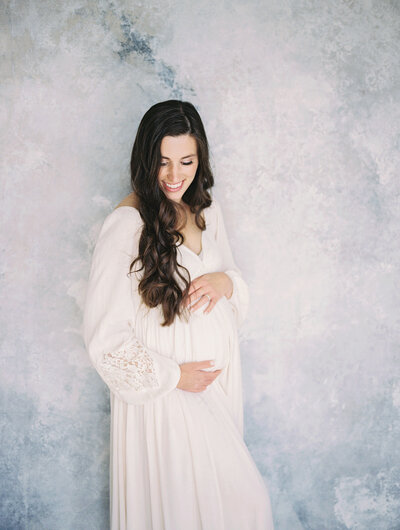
{"x": 301, "y": 104}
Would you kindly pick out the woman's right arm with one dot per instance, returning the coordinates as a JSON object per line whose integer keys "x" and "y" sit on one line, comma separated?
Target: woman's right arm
{"x": 132, "y": 371}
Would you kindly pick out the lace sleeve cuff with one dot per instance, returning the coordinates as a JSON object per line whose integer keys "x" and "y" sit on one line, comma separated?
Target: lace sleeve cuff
{"x": 137, "y": 375}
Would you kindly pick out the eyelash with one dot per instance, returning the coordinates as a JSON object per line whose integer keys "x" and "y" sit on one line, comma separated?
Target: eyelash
{"x": 183, "y": 163}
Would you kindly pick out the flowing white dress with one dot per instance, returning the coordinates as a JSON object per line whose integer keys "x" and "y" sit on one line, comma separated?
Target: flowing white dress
{"x": 178, "y": 460}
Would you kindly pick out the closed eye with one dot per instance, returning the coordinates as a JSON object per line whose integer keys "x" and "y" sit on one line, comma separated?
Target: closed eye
{"x": 183, "y": 163}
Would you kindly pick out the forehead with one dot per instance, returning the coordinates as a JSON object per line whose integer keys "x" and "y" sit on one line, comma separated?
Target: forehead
{"x": 181, "y": 145}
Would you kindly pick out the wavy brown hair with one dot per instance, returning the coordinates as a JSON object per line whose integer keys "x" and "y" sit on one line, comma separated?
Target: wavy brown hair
{"x": 164, "y": 281}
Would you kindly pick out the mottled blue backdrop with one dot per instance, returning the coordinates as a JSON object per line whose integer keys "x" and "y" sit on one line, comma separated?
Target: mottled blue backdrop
{"x": 301, "y": 103}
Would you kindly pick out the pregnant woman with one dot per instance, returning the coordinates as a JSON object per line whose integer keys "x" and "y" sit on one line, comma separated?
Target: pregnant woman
{"x": 163, "y": 306}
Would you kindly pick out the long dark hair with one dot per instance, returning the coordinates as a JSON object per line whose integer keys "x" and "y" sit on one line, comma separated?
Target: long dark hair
{"x": 162, "y": 282}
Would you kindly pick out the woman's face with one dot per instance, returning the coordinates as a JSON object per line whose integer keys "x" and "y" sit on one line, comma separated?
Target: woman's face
{"x": 178, "y": 165}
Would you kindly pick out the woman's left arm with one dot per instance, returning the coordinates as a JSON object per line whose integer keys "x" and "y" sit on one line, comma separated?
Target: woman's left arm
{"x": 239, "y": 299}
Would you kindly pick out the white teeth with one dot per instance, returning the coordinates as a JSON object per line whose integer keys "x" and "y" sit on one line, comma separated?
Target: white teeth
{"x": 174, "y": 186}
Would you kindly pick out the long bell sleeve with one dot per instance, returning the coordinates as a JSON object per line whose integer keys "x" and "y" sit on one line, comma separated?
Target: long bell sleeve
{"x": 133, "y": 372}
{"x": 239, "y": 299}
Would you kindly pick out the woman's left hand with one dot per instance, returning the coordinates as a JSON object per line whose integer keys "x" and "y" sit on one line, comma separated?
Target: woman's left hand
{"x": 214, "y": 284}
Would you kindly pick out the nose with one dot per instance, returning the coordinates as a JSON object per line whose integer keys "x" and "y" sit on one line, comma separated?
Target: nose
{"x": 174, "y": 175}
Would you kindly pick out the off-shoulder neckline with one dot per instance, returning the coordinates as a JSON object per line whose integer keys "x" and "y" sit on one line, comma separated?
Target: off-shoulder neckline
{"x": 120, "y": 207}
{"x": 205, "y": 210}
{"x": 214, "y": 201}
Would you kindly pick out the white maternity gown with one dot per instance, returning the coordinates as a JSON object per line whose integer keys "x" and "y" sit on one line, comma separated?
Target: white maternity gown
{"x": 178, "y": 460}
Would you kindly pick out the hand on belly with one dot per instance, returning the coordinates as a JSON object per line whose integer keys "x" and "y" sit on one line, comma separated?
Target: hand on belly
{"x": 207, "y": 289}
{"x": 195, "y": 376}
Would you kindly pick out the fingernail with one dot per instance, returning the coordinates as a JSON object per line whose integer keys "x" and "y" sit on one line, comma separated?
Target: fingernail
{"x": 212, "y": 363}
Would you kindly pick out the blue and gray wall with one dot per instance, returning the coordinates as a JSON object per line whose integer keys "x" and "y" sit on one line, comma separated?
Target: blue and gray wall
{"x": 301, "y": 104}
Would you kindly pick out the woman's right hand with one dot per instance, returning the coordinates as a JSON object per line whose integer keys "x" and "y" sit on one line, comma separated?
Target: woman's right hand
{"x": 194, "y": 378}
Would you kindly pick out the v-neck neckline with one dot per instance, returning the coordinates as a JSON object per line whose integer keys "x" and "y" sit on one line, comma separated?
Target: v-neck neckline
{"x": 202, "y": 247}
{"x": 199, "y": 256}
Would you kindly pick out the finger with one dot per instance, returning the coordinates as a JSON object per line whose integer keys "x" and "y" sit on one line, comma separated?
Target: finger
{"x": 212, "y": 373}
{"x": 206, "y": 372}
{"x": 192, "y": 295}
{"x": 198, "y": 287}
{"x": 190, "y": 291}
{"x": 197, "y": 291}
{"x": 203, "y": 364}
{"x": 210, "y": 380}
{"x": 210, "y": 376}
{"x": 198, "y": 304}
{"x": 205, "y": 298}
{"x": 213, "y": 376}
{"x": 194, "y": 284}
{"x": 211, "y": 305}
{"x": 196, "y": 297}
{"x": 187, "y": 298}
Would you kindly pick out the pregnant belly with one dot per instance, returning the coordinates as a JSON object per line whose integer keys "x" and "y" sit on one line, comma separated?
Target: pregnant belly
{"x": 204, "y": 337}
{"x": 211, "y": 334}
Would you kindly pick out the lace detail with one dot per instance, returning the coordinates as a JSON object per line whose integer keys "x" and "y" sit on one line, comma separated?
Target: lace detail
{"x": 129, "y": 368}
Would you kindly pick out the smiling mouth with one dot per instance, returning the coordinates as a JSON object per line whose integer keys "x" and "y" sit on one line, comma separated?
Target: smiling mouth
{"x": 175, "y": 187}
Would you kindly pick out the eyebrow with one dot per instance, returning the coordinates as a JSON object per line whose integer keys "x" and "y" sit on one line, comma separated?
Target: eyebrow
{"x": 187, "y": 156}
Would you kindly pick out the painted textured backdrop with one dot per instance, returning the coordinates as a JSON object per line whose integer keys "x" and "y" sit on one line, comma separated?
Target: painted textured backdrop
{"x": 301, "y": 102}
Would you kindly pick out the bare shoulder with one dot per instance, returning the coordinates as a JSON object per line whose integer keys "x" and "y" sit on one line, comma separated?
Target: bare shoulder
{"x": 125, "y": 216}
{"x": 130, "y": 200}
